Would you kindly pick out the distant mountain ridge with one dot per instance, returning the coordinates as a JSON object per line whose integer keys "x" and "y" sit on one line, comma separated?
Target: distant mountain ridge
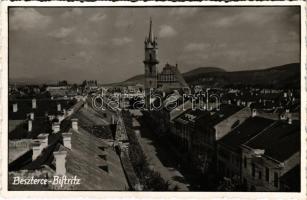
{"x": 277, "y": 77}
{"x": 200, "y": 70}
{"x": 203, "y": 70}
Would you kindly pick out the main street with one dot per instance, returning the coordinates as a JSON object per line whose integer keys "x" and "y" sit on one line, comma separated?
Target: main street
{"x": 161, "y": 159}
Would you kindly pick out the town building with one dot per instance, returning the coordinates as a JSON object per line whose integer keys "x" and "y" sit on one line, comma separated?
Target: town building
{"x": 83, "y": 140}
{"x": 170, "y": 79}
{"x": 229, "y": 147}
{"x": 270, "y": 155}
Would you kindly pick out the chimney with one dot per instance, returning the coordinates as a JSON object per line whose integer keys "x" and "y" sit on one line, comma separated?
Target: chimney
{"x": 60, "y": 162}
{"x": 59, "y": 107}
{"x": 254, "y": 112}
{"x": 258, "y": 152}
{"x": 67, "y": 140}
{"x": 31, "y": 115}
{"x": 36, "y": 148}
{"x": 74, "y": 124}
{"x": 43, "y": 137}
{"x": 15, "y": 107}
{"x": 55, "y": 127}
{"x": 85, "y": 105}
{"x": 238, "y": 102}
{"x": 29, "y": 125}
{"x": 289, "y": 118}
{"x": 33, "y": 103}
{"x": 113, "y": 121}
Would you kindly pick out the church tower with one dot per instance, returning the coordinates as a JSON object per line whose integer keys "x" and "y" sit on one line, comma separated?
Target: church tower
{"x": 151, "y": 61}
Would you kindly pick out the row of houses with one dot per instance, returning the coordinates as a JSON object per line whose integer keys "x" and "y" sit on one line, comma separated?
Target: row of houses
{"x": 237, "y": 145}
{"x": 76, "y": 144}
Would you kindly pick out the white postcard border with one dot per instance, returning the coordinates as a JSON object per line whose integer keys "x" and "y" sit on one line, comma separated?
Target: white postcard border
{"x": 150, "y": 195}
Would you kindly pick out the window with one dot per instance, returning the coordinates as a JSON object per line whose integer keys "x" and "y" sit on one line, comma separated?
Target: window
{"x": 276, "y": 179}
{"x": 259, "y": 175}
{"x": 235, "y": 124}
{"x": 267, "y": 174}
{"x": 253, "y": 169}
{"x": 245, "y": 162}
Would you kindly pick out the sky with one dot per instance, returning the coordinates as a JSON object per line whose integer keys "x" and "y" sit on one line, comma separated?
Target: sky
{"x": 107, "y": 43}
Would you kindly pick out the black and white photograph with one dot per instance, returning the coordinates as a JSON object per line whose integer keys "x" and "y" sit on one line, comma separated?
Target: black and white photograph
{"x": 155, "y": 98}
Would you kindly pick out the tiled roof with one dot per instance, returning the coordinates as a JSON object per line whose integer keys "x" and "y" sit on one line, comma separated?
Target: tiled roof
{"x": 40, "y": 125}
{"x": 196, "y": 114}
{"x": 46, "y": 157}
{"x": 216, "y": 116}
{"x": 245, "y": 131}
{"x": 43, "y": 106}
{"x": 88, "y": 158}
{"x": 225, "y": 111}
{"x": 280, "y": 141}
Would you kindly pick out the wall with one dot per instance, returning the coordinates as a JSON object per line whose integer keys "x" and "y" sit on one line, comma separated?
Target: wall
{"x": 224, "y": 127}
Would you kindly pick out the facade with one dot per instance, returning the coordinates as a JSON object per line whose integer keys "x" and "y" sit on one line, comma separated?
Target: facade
{"x": 268, "y": 156}
{"x": 228, "y": 149}
{"x": 170, "y": 78}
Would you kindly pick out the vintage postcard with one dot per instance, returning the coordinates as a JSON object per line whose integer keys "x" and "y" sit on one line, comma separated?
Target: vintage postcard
{"x": 153, "y": 99}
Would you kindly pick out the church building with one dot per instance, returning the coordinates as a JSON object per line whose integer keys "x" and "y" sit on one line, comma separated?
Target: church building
{"x": 169, "y": 79}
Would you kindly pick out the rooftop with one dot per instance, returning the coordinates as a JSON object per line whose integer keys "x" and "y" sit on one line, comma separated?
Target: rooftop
{"x": 43, "y": 106}
{"x": 216, "y": 116}
{"x": 91, "y": 158}
{"x": 280, "y": 141}
{"x": 40, "y": 125}
{"x": 245, "y": 131}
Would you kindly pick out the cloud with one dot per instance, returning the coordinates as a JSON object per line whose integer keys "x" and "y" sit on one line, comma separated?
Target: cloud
{"x": 98, "y": 17}
{"x": 62, "y": 32}
{"x": 252, "y": 16}
{"x": 196, "y": 46}
{"x": 121, "y": 41}
{"x": 84, "y": 56}
{"x": 167, "y": 31}
{"x": 28, "y": 18}
{"x": 83, "y": 41}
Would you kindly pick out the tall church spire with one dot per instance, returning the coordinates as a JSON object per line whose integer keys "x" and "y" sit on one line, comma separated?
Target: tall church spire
{"x": 150, "y": 36}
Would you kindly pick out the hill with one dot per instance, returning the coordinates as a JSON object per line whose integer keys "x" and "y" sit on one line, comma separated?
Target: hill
{"x": 277, "y": 77}
{"x": 202, "y": 70}
{"x": 285, "y": 76}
